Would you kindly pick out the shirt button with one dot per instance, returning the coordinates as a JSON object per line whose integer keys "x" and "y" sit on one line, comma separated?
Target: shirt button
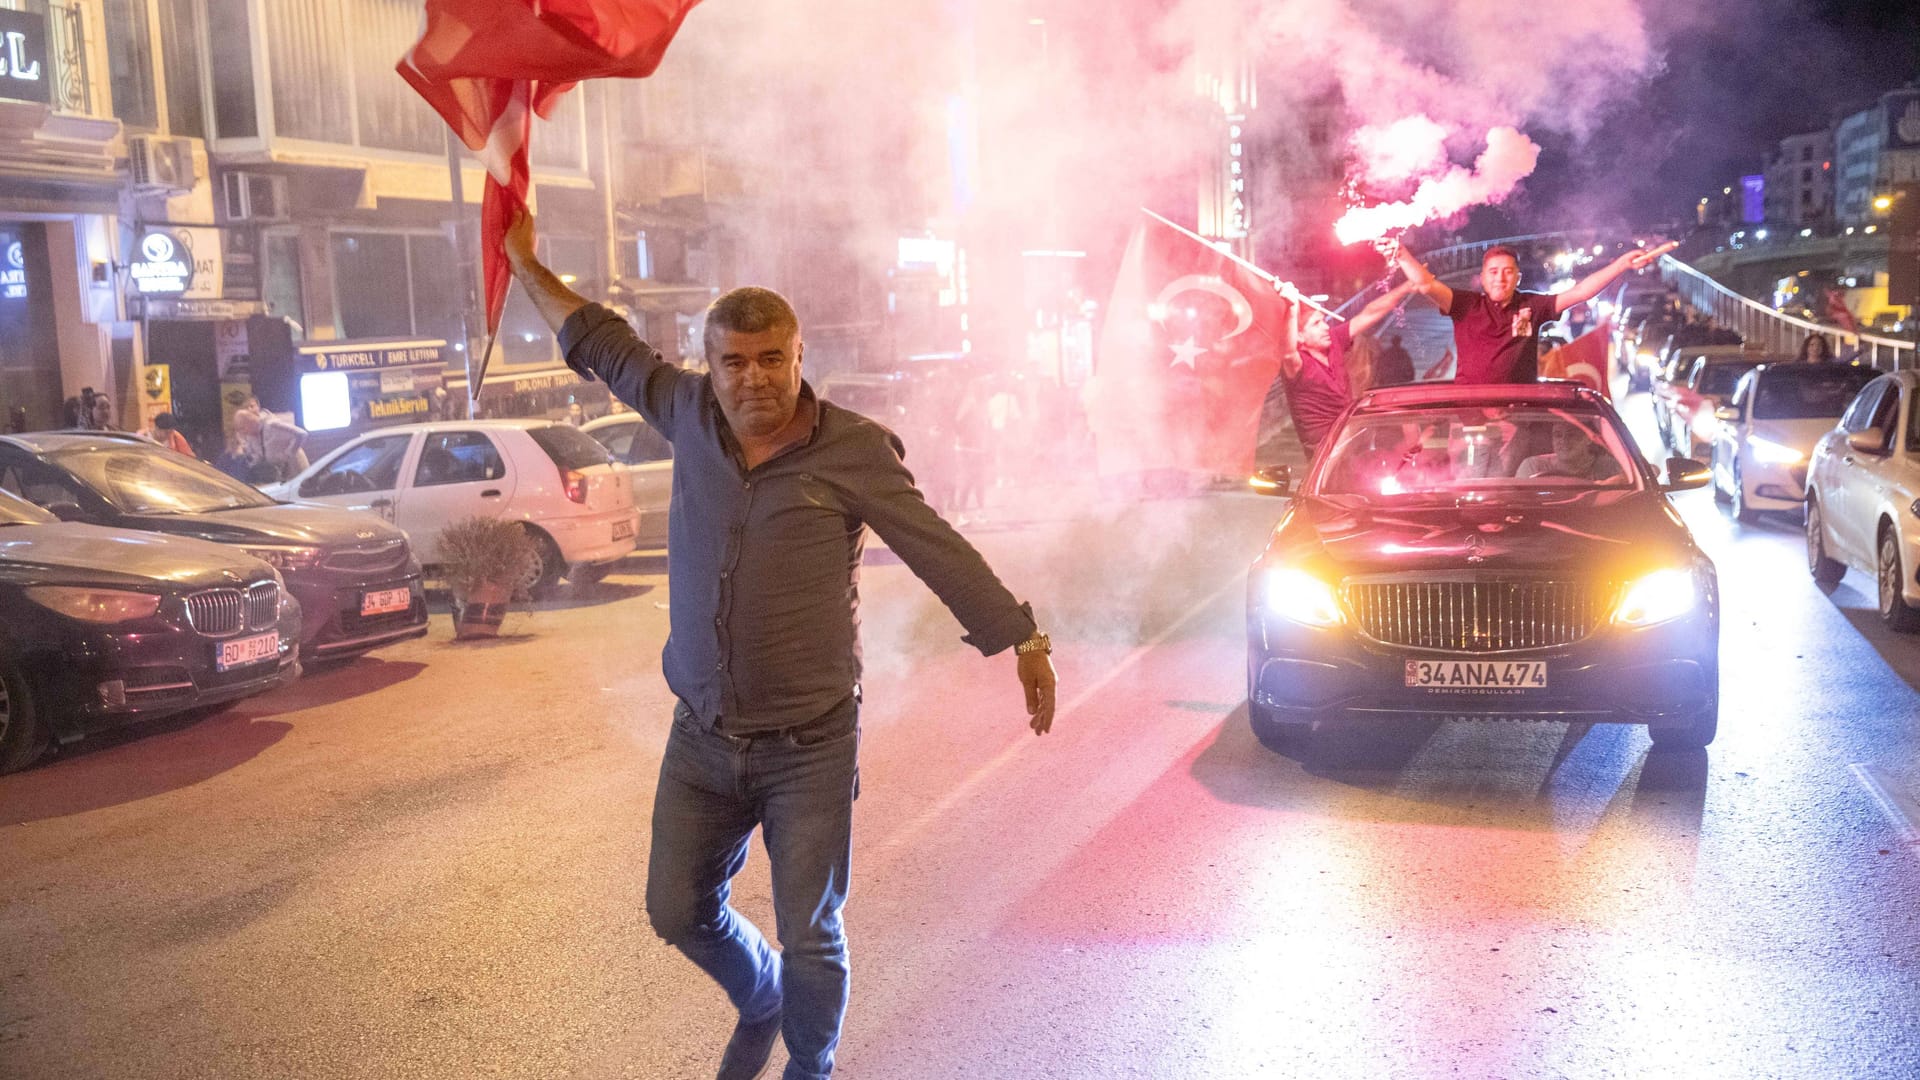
{"x": 719, "y": 665}
{"x": 748, "y": 485}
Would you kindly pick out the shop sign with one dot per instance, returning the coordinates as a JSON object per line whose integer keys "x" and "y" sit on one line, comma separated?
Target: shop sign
{"x": 405, "y": 408}
{"x": 23, "y": 53}
{"x": 396, "y": 382}
{"x": 182, "y": 262}
{"x": 373, "y": 356}
{"x": 231, "y": 357}
{"x": 13, "y": 267}
{"x": 161, "y": 307}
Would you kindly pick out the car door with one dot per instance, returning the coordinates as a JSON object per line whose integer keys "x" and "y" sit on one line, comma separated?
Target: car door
{"x": 459, "y": 473}
{"x": 363, "y": 474}
{"x": 1859, "y": 475}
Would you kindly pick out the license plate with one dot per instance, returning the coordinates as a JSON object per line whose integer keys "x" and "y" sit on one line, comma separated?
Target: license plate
{"x": 622, "y": 530}
{"x": 1490, "y": 675}
{"x": 247, "y": 650}
{"x": 386, "y": 600}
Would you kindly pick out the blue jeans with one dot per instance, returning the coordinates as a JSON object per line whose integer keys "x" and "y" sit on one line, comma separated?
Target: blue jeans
{"x": 798, "y": 786}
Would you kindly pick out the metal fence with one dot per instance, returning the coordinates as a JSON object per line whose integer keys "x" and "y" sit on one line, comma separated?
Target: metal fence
{"x": 1775, "y": 332}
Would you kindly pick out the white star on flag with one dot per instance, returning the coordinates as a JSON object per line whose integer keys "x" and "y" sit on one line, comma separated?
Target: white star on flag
{"x": 1186, "y": 353}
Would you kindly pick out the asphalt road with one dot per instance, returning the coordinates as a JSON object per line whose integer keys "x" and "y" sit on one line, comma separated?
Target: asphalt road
{"x": 429, "y": 863}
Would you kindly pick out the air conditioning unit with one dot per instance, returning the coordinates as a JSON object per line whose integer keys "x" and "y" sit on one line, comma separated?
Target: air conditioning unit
{"x": 254, "y": 196}
{"x": 162, "y": 163}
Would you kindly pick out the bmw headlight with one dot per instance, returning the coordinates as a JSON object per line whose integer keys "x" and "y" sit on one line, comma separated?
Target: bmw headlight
{"x": 1661, "y": 596}
{"x": 1768, "y": 452}
{"x": 95, "y": 605}
{"x": 284, "y": 557}
{"x": 1292, "y": 593}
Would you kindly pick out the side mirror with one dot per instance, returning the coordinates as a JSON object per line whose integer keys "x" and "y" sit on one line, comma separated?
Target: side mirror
{"x": 1728, "y": 413}
{"x": 1870, "y": 441}
{"x": 1272, "y": 480}
{"x": 1685, "y": 474}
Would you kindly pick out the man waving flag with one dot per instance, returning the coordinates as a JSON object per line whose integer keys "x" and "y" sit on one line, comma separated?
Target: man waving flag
{"x": 487, "y": 66}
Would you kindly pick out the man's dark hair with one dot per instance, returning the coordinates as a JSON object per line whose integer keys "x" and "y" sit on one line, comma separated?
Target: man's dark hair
{"x": 748, "y": 310}
{"x": 163, "y": 421}
{"x": 1498, "y": 250}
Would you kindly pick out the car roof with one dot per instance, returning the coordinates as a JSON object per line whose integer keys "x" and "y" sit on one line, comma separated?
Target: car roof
{"x": 1562, "y": 392}
{"x": 47, "y": 442}
{"x": 522, "y": 424}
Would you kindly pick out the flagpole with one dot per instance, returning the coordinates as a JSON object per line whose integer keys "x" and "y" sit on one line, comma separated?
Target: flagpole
{"x": 1269, "y": 278}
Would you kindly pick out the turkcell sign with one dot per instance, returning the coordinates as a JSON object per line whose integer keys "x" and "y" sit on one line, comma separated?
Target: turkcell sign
{"x": 23, "y": 54}
{"x": 373, "y": 356}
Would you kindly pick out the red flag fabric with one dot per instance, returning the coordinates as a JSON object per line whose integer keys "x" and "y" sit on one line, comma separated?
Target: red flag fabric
{"x": 1839, "y": 314}
{"x": 488, "y": 66}
{"x": 1584, "y": 358}
{"x": 1188, "y": 348}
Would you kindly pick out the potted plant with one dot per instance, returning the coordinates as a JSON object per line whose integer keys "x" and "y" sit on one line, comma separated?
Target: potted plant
{"x": 483, "y": 561}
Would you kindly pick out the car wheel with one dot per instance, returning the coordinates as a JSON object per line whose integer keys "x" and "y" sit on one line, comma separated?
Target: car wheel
{"x": 1825, "y": 571}
{"x": 1698, "y": 730}
{"x": 22, "y": 736}
{"x": 1741, "y": 511}
{"x": 548, "y": 564}
{"x": 1278, "y": 735}
{"x": 1894, "y": 610}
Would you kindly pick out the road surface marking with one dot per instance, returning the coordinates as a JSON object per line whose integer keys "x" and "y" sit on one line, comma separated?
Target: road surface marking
{"x": 918, "y": 825}
{"x": 1897, "y": 805}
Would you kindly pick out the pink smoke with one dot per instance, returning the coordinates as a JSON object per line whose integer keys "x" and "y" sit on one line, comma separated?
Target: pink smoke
{"x": 1508, "y": 159}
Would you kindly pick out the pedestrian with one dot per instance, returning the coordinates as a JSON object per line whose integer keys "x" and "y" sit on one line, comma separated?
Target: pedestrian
{"x": 576, "y": 416}
{"x": 1815, "y": 350}
{"x": 1497, "y": 332}
{"x": 168, "y": 435}
{"x": 1313, "y": 363}
{"x": 1394, "y": 364}
{"x": 773, "y": 489}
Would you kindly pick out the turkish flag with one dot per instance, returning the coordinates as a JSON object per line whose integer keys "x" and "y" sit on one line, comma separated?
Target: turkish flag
{"x": 1583, "y": 359}
{"x": 1188, "y": 348}
{"x": 488, "y": 66}
{"x": 1839, "y": 314}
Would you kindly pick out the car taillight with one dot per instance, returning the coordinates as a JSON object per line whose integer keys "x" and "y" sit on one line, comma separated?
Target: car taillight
{"x": 575, "y": 483}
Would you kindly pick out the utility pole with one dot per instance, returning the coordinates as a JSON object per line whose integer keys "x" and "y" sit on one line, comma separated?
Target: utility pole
{"x": 459, "y": 234}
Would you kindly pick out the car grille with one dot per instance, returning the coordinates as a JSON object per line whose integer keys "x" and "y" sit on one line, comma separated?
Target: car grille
{"x": 219, "y": 612}
{"x": 372, "y": 558}
{"x": 1475, "y": 616}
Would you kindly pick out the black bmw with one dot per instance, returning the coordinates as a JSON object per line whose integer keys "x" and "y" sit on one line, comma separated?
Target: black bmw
{"x": 1483, "y": 551}
{"x": 354, "y": 573}
{"x": 102, "y": 626}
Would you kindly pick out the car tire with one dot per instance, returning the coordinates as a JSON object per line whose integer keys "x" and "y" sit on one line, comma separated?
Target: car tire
{"x": 549, "y": 565}
{"x": 1826, "y": 572}
{"x": 1697, "y": 732}
{"x": 1890, "y": 576}
{"x": 23, "y": 738}
{"x": 1742, "y": 511}
{"x": 1290, "y": 737}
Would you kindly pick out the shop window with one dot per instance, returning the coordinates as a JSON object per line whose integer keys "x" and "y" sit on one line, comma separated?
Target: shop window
{"x": 130, "y": 63}
{"x": 280, "y": 288}
{"x": 458, "y": 457}
{"x": 434, "y": 275}
{"x": 372, "y": 297}
{"x": 231, "y": 59}
{"x": 391, "y": 116}
{"x": 180, "y": 57}
{"x": 309, "y": 58}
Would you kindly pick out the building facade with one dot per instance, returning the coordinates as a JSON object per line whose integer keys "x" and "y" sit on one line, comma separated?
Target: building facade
{"x": 1799, "y": 181}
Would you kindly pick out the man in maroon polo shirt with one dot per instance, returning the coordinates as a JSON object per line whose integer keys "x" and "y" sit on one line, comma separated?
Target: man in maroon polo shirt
{"x": 1497, "y": 332}
{"x": 1313, "y": 365}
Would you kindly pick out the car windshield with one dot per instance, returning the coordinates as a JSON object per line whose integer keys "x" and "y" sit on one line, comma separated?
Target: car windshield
{"x": 150, "y": 480}
{"x": 15, "y": 510}
{"x": 569, "y": 447}
{"x": 1718, "y": 379}
{"x": 1451, "y": 449}
{"x": 1809, "y": 391}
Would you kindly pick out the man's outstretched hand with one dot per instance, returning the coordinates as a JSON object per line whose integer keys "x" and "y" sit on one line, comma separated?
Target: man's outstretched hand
{"x": 1037, "y": 678}
{"x": 1640, "y": 260}
{"x": 519, "y": 242}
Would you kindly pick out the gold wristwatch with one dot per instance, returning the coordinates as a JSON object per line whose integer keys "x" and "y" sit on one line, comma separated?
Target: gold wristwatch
{"x": 1039, "y": 643}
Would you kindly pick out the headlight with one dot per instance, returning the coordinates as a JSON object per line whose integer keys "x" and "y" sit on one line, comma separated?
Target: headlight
{"x": 1658, "y": 597}
{"x": 1297, "y": 595}
{"x": 1769, "y": 452}
{"x": 286, "y": 557}
{"x": 95, "y": 605}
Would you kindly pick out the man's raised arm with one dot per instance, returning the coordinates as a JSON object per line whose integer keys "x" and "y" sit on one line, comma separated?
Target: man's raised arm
{"x": 1379, "y": 308}
{"x": 1423, "y": 281}
{"x": 551, "y": 297}
{"x": 1589, "y": 287}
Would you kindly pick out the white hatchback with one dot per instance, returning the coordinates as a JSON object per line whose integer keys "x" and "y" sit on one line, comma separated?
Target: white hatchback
{"x": 648, "y": 457}
{"x": 571, "y": 497}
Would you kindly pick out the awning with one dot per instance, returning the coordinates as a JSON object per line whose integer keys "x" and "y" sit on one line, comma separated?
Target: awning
{"x": 661, "y": 298}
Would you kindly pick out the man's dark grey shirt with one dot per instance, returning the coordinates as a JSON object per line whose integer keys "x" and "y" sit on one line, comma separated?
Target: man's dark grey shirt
{"x": 763, "y": 565}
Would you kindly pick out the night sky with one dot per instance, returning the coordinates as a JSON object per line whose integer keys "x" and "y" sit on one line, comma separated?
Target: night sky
{"x": 1739, "y": 76}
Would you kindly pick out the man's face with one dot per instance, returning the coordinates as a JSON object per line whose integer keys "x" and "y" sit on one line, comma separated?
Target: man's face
{"x": 1316, "y": 336}
{"x": 757, "y": 379}
{"x": 1499, "y": 277}
{"x": 1573, "y": 447}
{"x": 102, "y": 411}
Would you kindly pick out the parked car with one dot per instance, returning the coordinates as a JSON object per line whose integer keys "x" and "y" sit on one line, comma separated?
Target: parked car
{"x": 1693, "y": 399}
{"x": 1769, "y": 427}
{"x": 100, "y": 627}
{"x": 648, "y": 457}
{"x": 1483, "y": 551}
{"x": 558, "y": 482}
{"x": 1861, "y": 489}
{"x": 354, "y": 574}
